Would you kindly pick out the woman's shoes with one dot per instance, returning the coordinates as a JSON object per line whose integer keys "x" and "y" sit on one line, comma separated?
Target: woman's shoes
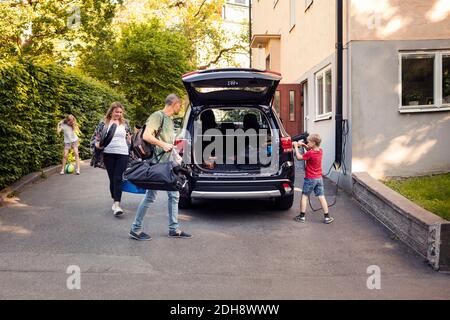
{"x": 117, "y": 210}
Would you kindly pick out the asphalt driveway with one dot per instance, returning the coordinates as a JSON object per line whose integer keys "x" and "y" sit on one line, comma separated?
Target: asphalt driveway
{"x": 240, "y": 250}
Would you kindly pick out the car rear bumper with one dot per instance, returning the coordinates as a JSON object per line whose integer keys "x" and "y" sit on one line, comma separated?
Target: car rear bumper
{"x": 241, "y": 189}
{"x": 235, "y": 194}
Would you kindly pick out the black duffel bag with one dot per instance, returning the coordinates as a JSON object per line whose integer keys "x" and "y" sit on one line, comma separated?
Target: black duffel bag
{"x": 167, "y": 176}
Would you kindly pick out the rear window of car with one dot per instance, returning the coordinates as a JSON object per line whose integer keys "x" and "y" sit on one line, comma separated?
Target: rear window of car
{"x": 236, "y": 115}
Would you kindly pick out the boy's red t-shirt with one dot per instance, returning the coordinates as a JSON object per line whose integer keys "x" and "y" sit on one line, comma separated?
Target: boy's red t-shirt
{"x": 313, "y": 164}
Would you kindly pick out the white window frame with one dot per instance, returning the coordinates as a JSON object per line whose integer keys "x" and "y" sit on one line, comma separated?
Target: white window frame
{"x": 325, "y": 115}
{"x": 437, "y": 83}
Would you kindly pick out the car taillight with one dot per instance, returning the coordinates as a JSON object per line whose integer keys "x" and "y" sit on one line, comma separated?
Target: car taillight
{"x": 286, "y": 144}
{"x": 287, "y": 188}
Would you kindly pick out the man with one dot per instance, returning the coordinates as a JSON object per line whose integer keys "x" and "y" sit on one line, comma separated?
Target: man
{"x": 163, "y": 143}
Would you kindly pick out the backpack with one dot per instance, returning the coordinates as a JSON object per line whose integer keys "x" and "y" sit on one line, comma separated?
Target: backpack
{"x": 105, "y": 136}
{"x": 141, "y": 148}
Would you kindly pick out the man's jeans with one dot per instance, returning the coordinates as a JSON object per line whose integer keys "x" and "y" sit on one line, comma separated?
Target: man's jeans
{"x": 149, "y": 198}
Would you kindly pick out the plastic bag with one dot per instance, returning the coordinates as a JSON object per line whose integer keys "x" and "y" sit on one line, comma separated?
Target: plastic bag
{"x": 175, "y": 157}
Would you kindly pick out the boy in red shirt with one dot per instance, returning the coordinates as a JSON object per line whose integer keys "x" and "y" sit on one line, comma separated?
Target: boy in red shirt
{"x": 313, "y": 176}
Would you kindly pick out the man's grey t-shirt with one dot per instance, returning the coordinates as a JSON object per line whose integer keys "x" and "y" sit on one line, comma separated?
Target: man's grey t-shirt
{"x": 167, "y": 132}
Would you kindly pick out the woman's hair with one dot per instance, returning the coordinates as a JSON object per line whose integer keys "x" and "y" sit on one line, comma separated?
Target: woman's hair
{"x": 110, "y": 111}
{"x": 74, "y": 124}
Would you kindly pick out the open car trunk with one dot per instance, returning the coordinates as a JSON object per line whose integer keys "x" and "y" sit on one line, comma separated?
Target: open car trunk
{"x": 232, "y": 140}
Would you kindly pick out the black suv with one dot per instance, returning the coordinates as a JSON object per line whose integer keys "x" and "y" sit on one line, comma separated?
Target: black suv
{"x": 233, "y": 140}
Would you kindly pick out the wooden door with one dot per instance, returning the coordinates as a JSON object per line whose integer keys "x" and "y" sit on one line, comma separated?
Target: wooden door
{"x": 289, "y": 97}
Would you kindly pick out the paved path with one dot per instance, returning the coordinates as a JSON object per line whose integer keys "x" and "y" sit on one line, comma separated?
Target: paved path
{"x": 240, "y": 250}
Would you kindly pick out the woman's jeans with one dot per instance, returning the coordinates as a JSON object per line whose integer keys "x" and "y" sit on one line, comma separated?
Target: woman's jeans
{"x": 149, "y": 198}
{"x": 115, "y": 165}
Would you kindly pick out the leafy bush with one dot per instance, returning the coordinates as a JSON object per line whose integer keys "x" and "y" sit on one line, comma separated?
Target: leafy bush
{"x": 33, "y": 99}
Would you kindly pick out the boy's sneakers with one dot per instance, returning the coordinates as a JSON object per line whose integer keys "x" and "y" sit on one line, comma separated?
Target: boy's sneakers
{"x": 328, "y": 220}
{"x": 179, "y": 234}
{"x": 300, "y": 218}
{"x": 61, "y": 173}
{"x": 141, "y": 236}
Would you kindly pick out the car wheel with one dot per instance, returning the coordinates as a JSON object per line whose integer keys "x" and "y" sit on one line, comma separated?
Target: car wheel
{"x": 185, "y": 203}
{"x": 284, "y": 203}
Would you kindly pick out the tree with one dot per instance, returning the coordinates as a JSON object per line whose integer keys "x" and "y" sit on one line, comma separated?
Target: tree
{"x": 146, "y": 64}
{"x": 54, "y": 30}
{"x": 201, "y": 23}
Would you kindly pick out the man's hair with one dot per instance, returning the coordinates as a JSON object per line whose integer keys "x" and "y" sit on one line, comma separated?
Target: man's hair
{"x": 171, "y": 99}
{"x": 315, "y": 138}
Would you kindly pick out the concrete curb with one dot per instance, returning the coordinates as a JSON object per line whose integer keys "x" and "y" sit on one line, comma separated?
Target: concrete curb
{"x": 423, "y": 231}
{"x": 19, "y": 185}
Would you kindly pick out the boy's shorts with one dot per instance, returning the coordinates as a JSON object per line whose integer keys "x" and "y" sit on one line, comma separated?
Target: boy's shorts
{"x": 71, "y": 145}
{"x": 313, "y": 184}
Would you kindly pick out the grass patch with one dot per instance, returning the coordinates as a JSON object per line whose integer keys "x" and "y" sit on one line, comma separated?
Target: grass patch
{"x": 430, "y": 192}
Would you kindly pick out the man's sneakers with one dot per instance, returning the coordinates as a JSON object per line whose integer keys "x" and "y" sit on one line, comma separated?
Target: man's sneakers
{"x": 141, "y": 236}
{"x": 328, "y": 220}
{"x": 117, "y": 210}
{"x": 179, "y": 234}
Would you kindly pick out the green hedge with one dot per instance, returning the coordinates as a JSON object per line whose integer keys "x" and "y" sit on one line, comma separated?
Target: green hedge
{"x": 33, "y": 99}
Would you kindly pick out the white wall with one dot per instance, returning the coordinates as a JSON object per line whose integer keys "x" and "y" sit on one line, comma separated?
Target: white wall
{"x": 385, "y": 142}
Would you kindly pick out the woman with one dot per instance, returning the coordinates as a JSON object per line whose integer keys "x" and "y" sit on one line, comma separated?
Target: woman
{"x": 70, "y": 128}
{"x": 115, "y": 150}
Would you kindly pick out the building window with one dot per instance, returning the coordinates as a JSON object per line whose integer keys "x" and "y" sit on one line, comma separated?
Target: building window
{"x": 240, "y": 2}
{"x": 308, "y": 4}
{"x": 224, "y": 12}
{"x": 276, "y": 104}
{"x": 324, "y": 93}
{"x": 293, "y": 11}
{"x": 291, "y": 105}
{"x": 425, "y": 81}
{"x": 268, "y": 62}
{"x": 417, "y": 80}
{"x": 446, "y": 79}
